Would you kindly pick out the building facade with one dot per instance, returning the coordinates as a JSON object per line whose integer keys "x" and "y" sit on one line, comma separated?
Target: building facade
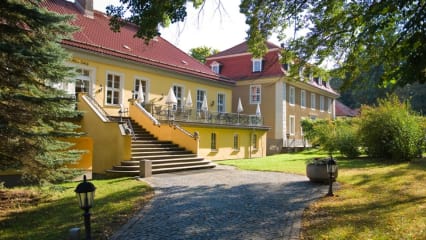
{"x": 284, "y": 102}
{"x": 120, "y": 76}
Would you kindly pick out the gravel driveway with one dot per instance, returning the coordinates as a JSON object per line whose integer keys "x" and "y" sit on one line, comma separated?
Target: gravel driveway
{"x": 223, "y": 203}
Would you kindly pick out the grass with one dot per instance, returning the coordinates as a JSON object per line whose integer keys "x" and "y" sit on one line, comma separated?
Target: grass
{"x": 290, "y": 163}
{"x": 34, "y": 213}
{"x": 376, "y": 200}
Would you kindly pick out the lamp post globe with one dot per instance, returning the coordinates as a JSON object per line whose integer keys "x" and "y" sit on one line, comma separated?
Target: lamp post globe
{"x": 331, "y": 170}
{"x": 85, "y": 193}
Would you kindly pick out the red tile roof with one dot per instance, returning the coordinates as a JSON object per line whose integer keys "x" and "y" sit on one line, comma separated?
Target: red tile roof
{"x": 95, "y": 36}
{"x": 344, "y": 111}
{"x": 240, "y": 49}
{"x": 236, "y": 63}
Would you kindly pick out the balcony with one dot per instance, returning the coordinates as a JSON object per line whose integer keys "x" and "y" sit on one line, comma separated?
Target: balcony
{"x": 191, "y": 115}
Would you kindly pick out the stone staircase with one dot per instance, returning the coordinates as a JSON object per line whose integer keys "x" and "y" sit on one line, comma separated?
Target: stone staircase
{"x": 164, "y": 155}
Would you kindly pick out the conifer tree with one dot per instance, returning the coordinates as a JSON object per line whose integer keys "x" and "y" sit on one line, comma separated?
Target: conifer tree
{"x": 35, "y": 117}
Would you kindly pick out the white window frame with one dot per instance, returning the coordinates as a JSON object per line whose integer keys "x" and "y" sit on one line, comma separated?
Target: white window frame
{"x": 215, "y": 66}
{"x": 302, "y": 98}
{"x": 313, "y": 101}
{"x": 136, "y": 88}
{"x": 236, "y": 142}
{"x": 119, "y": 90}
{"x": 291, "y": 96}
{"x": 180, "y": 97}
{"x": 321, "y": 103}
{"x": 256, "y": 94}
{"x": 199, "y": 99}
{"x": 292, "y": 125}
{"x": 221, "y": 106}
{"x": 330, "y": 103}
{"x": 213, "y": 141}
{"x": 254, "y": 141}
{"x": 257, "y": 65}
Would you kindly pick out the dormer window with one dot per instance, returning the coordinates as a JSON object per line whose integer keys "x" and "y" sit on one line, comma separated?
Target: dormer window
{"x": 215, "y": 67}
{"x": 257, "y": 64}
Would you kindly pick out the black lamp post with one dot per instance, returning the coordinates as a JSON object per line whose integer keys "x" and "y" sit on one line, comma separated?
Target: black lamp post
{"x": 85, "y": 194}
{"x": 331, "y": 170}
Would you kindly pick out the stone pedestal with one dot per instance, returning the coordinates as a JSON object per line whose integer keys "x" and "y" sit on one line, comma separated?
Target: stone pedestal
{"x": 145, "y": 168}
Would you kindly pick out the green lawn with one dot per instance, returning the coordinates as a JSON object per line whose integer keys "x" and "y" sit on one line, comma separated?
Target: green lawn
{"x": 51, "y": 213}
{"x": 377, "y": 200}
{"x": 290, "y": 163}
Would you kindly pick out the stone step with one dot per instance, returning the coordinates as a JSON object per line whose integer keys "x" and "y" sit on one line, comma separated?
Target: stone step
{"x": 161, "y": 153}
{"x": 159, "y": 157}
{"x": 177, "y": 169}
{"x": 162, "y": 165}
{"x": 155, "y": 149}
{"x": 161, "y": 161}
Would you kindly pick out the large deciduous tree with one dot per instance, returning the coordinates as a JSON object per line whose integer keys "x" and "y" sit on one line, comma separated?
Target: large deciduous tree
{"x": 356, "y": 34}
{"x": 34, "y": 116}
{"x": 201, "y": 53}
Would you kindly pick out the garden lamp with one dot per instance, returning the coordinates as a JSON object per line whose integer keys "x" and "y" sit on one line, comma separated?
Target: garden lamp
{"x": 331, "y": 170}
{"x": 85, "y": 193}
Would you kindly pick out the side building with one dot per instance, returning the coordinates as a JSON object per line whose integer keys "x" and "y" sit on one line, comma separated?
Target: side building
{"x": 284, "y": 102}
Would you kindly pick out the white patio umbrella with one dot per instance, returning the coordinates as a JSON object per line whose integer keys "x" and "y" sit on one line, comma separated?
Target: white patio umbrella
{"x": 204, "y": 105}
{"x": 239, "y": 109}
{"x": 188, "y": 101}
{"x": 258, "y": 114}
{"x": 171, "y": 98}
{"x": 240, "y": 106}
{"x": 141, "y": 97}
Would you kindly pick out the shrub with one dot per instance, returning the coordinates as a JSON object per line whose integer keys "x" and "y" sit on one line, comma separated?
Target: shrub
{"x": 335, "y": 135}
{"x": 391, "y": 130}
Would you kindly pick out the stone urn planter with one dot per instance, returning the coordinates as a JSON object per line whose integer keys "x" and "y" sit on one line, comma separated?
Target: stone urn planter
{"x": 316, "y": 171}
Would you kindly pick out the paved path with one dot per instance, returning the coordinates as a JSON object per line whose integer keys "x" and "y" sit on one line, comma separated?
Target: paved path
{"x": 223, "y": 203}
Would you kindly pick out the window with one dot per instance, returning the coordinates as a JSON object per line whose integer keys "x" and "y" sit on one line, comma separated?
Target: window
{"x": 215, "y": 66}
{"x": 144, "y": 84}
{"x": 255, "y": 94}
{"x": 113, "y": 89}
{"x": 220, "y": 102}
{"x": 178, "y": 91}
{"x": 254, "y": 141}
{"x": 82, "y": 83}
{"x": 213, "y": 142}
{"x": 292, "y": 126}
{"x": 292, "y": 96}
{"x": 303, "y": 98}
{"x": 257, "y": 65}
{"x": 236, "y": 142}
{"x": 313, "y": 102}
{"x": 322, "y": 103}
{"x": 329, "y": 105}
{"x": 200, "y": 97}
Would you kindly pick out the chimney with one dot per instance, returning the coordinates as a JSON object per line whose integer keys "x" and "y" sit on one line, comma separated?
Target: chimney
{"x": 86, "y": 7}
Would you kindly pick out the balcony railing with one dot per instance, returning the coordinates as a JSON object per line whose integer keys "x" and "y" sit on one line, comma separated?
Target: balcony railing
{"x": 170, "y": 113}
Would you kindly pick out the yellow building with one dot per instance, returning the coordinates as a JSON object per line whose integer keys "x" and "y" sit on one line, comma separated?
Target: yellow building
{"x": 151, "y": 101}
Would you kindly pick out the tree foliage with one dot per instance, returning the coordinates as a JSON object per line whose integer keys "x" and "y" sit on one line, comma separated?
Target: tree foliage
{"x": 34, "y": 116}
{"x": 391, "y": 130}
{"x": 200, "y": 53}
{"x": 355, "y": 34}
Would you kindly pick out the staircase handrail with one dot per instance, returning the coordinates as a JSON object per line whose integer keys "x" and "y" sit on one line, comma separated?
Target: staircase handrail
{"x": 148, "y": 114}
{"x": 184, "y": 130}
{"x": 97, "y": 108}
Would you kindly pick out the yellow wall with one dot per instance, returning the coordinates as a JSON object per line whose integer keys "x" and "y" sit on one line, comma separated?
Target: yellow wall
{"x": 110, "y": 147}
{"x": 159, "y": 82}
{"x": 86, "y": 144}
{"x": 164, "y": 132}
{"x": 225, "y": 142}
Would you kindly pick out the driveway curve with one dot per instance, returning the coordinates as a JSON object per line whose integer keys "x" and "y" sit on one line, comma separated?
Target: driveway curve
{"x": 223, "y": 203}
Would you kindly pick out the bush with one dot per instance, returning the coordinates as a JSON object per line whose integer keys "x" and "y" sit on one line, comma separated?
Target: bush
{"x": 348, "y": 142}
{"x": 335, "y": 135}
{"x": 391, "y": 130}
